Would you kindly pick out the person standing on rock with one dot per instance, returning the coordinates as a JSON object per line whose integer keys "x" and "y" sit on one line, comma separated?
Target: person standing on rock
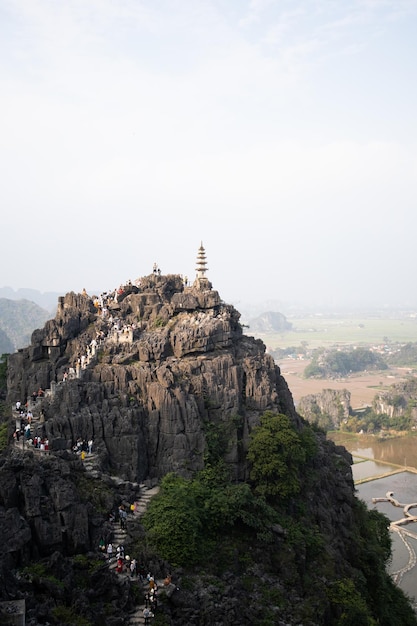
{"x": 122, "y": 517}
{"x": 147, "y": 614}
{"x": 90, "y": 446}
{"x": 119, "y": 566}
{"x": 153, "y": 599}
{"x": 109, "y": 551}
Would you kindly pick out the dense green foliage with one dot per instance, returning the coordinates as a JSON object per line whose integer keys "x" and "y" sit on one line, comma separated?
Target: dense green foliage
{"x": 186, "y": 519}
{"x": 314, "y": 370}
{"x": 277, "y": 454}
{"x": 400, "y": 400}
{"x": 292, "y": 351}
{"x": 330, "y": 363}
{"x": 405, "y": 356}
{"x": 219, "y": 526}
{"x": 368, "y": 421}
{"x": 370, "y": 552}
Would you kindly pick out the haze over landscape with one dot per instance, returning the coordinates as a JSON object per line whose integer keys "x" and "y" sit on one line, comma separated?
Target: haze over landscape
{"x": 281, "y": 134}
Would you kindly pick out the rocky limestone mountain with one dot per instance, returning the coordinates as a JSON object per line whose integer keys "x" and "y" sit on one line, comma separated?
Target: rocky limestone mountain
{"x": 269, "y": 322}
{"x": 6, "y": 345}
{"x": 400, "y": 400}
{"x": 147, "y": 371}
{"x": 169, "y": 360}
{"x": 18, "y": 318}
{"x": 53, "y": 513}
{"x": 327, "y": 409}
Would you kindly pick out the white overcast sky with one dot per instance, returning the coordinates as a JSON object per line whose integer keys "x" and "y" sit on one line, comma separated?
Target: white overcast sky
{"x": 281, "y": 133}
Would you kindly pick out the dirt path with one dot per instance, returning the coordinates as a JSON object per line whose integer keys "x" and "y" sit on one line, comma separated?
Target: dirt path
{"x": 362, "y": 387}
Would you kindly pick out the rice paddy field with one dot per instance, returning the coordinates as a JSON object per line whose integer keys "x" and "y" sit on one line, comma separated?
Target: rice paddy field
{"x": 329, "y": 331}
{"x": 321, "y": 331}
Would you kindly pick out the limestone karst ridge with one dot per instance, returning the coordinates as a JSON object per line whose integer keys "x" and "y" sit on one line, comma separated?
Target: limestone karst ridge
{"x": 145, "y": 372}
{"x": 145, "y": 369}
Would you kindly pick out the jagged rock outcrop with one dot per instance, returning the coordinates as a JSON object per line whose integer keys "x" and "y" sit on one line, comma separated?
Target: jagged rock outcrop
{"x": 52, "y": 516}
{"x": 170, "y": 358}
{"x": 146, "y": 372}
{"x": 328, "y": 408}
{"x": 398, "y": 401}
{"x": 40, "y": 502}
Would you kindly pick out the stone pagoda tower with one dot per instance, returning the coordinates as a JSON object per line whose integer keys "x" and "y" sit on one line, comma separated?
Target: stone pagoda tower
{"x": 201, "y": 281}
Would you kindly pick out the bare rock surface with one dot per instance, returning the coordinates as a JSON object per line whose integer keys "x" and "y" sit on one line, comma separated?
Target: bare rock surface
{"x": 169, "y": 358}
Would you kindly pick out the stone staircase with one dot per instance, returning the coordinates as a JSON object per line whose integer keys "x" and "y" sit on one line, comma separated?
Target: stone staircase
{"x": 35, "y": 430}
{"x": 91, "y": 463}
{"x": 119, "y": 535}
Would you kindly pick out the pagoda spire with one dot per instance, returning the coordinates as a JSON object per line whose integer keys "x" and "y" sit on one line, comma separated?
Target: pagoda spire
{"x": 201, "y": 281}
{"x": 201, "y": 268}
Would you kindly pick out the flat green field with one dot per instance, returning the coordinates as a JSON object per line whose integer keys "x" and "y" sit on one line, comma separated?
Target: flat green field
{"x": 326, "y": 331}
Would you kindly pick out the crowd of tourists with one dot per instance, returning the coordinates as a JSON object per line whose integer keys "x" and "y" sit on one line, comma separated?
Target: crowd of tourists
{"x": 83, "y": 447}
{"x": 24, "y": 430}
{"x": 132, "y": 567}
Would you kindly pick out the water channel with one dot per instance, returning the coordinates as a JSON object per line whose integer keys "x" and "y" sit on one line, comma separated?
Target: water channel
{"x": 380, "y": 467}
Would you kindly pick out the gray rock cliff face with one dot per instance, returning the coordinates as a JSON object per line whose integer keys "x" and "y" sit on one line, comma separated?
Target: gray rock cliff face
{"x": 331, "y": 403}
{"x": 41, "y": 509}
{"x": 169, "y": 360}
{"x": 150, "y": 372}
{"x": 398, "y": 401}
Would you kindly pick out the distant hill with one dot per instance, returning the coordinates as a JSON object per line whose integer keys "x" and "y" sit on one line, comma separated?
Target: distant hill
{"x": 18, "y": 320}
{"x": 6, "y": 346}
{"x": 272, "y": 321}
{"x": 47, "y": 300}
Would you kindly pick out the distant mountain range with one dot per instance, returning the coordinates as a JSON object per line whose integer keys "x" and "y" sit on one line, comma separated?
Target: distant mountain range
{"x": 47, "y": 300}
{"x": 19, "y": 318}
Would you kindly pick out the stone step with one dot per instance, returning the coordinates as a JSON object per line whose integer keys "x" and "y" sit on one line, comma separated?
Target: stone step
{"x": 136, "y": 619}
{"x": 118, "y": 539}
{"x": 119, "y": 536}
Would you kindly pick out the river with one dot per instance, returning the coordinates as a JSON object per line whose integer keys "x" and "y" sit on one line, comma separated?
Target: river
{"x": 374, "y": 463}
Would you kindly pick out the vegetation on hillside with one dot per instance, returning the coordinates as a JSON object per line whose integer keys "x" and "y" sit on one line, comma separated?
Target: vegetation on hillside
{"x": 337, "y": 363}
{"x": 368, "y": 421}
{"x": 210, "y": 525}
{"x": 403, "y": 356}
{"x": 392, "y": 410}
{"x": 292, "y": 351}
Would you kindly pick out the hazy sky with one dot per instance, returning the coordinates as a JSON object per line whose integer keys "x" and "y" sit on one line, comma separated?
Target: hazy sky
{"x": 281, "y": 133}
